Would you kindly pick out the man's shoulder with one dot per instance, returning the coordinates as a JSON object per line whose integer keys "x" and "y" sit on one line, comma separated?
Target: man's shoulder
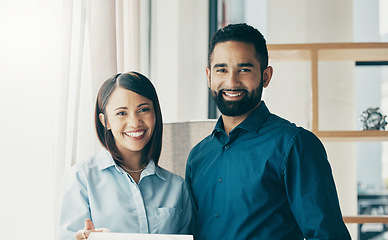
{"x": 202, "y": 145}
{"x": 282, "y": 127}
{"x": 290, "y": 128}
{"x": 276, "y": 122}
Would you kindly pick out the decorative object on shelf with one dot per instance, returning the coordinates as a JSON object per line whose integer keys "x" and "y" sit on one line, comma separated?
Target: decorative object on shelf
{"x": 373, "y": 119}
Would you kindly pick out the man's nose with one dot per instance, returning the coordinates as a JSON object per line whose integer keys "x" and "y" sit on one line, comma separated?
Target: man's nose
{"x": 233, "y": 80}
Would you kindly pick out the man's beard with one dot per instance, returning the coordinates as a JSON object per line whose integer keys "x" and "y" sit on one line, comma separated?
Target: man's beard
{"x": 239, "y": 107}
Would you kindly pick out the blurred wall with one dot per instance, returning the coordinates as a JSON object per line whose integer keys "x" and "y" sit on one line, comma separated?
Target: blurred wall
{"x": 179, "y": 43}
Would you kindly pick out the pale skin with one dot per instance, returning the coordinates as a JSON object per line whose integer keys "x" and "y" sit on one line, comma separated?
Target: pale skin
{"x": 131, "y": 119}
{"x": 234, "y": 65}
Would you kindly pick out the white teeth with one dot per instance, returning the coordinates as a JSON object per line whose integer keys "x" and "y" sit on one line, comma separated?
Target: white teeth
{"x": 134, "y": 134}
{"x": 232, "y": 94}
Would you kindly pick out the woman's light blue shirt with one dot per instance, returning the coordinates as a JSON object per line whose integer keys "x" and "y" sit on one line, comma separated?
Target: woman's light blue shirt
{"x": 100, "y": 190}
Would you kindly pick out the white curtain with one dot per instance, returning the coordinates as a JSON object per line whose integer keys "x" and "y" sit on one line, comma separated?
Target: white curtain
{"x": 100, "y": 38}
{"x": 54, "y": 56}
{"x": 29, "y": 69}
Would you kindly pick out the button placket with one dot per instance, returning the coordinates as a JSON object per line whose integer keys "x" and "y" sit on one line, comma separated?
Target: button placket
{"x": 140, "y": 207}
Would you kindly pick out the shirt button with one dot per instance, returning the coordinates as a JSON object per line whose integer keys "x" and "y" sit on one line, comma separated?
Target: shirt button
{"x": 220, "y": 179}
{"x": 217, "y": 215}
{"x": 226, "y": 147}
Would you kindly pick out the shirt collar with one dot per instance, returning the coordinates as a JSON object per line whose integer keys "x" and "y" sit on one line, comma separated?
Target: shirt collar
{"x": 252, "y": 123}
{"x": 105, "y": 160}
{"x": 153, "y": 169}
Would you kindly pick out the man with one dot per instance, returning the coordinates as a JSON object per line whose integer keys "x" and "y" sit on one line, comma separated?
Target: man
{"x": 257, "y": 176}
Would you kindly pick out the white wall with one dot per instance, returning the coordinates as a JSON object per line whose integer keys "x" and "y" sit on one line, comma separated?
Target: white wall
{"x": 179, "y": 43}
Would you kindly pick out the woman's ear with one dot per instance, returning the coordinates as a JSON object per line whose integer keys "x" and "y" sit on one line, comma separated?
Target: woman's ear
{"x": 101, "y": 116}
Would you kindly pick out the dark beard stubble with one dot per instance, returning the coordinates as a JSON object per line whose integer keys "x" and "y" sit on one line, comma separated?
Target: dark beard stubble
{"x": 240, "y": 107}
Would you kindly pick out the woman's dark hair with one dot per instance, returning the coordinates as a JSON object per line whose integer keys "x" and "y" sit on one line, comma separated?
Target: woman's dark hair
{"x": 139, "y": 84}
{"x": 241, "y": 32}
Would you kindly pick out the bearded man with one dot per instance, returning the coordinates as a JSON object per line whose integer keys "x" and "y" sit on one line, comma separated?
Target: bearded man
{"x": 257, "y": 175}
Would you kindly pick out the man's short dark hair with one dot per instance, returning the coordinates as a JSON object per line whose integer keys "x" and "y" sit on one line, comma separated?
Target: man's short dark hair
{"x": 241, "y": 32}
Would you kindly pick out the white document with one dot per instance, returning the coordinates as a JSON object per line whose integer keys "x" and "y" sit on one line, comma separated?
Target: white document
{"x": 136, "y": 236}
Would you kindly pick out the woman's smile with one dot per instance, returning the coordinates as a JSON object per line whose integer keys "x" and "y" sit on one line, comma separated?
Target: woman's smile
{"x": 136, "y": 135}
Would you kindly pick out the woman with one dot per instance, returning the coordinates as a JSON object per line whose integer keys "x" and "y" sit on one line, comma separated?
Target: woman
{"x": 122, "y": 187}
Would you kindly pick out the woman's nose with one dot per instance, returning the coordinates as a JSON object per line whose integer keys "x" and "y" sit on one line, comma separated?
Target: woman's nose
{"x": 134, "y": 121}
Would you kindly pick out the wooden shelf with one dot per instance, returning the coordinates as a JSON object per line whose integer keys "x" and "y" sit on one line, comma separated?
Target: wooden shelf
{"x": 316, "y": 52}
{"x": 329, "y": 51}
{"x": 353, "y": 136}
{"x": 360, "y": 219}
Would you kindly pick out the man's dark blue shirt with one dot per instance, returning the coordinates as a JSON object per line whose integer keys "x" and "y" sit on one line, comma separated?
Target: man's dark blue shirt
{"x": 268, "y": 179}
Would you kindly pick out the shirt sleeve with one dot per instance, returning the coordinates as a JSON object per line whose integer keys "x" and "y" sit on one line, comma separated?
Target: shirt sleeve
{"x": 193, "y": 205}
{"x": 187, "y": 212}
{"x": 74, "y": 206}
{"x": 311, "y": 189}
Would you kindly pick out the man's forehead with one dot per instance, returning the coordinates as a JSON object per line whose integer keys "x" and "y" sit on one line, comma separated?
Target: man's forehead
{"x": 229, "y": 51}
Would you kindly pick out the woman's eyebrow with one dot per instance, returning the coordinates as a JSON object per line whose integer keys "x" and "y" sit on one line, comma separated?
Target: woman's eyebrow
{"x": 142, "y": 104}
{"x": 120, "y": 108}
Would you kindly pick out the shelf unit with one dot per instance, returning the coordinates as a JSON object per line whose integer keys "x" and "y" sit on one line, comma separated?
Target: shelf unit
{"x": 316, "y": 52}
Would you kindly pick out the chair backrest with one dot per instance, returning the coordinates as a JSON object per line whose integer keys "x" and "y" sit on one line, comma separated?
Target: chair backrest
{"x": 178, "y": 139}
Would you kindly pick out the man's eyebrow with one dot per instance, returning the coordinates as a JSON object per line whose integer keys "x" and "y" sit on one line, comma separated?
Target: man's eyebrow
{"x": 221, "y": 65}
{"x": 217, "y": 65}
{"x": 245, "y": 65}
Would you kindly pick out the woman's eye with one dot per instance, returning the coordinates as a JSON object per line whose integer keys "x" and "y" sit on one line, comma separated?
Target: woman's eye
{"x": 144, "y": 110}
{"x": 121, "y": 113}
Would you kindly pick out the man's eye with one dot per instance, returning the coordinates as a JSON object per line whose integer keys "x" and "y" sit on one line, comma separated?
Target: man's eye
{"x": 221, "y": 70}
{"x": 245, "y": 70}
{"x": 121, "y": 113}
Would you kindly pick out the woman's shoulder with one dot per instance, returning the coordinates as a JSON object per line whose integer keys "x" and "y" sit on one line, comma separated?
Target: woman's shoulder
{"x": 90, "y": 169}
{"x": 98, "y": 161}
{"x": 170, "y": 176}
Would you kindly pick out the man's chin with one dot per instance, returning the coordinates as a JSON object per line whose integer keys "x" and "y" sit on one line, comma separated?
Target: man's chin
{"x": 231, "y": 111}
{"x": 236, "y": 108}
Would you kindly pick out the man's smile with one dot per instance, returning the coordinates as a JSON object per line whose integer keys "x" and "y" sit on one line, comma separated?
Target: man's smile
{"x": 233, "y": 95}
